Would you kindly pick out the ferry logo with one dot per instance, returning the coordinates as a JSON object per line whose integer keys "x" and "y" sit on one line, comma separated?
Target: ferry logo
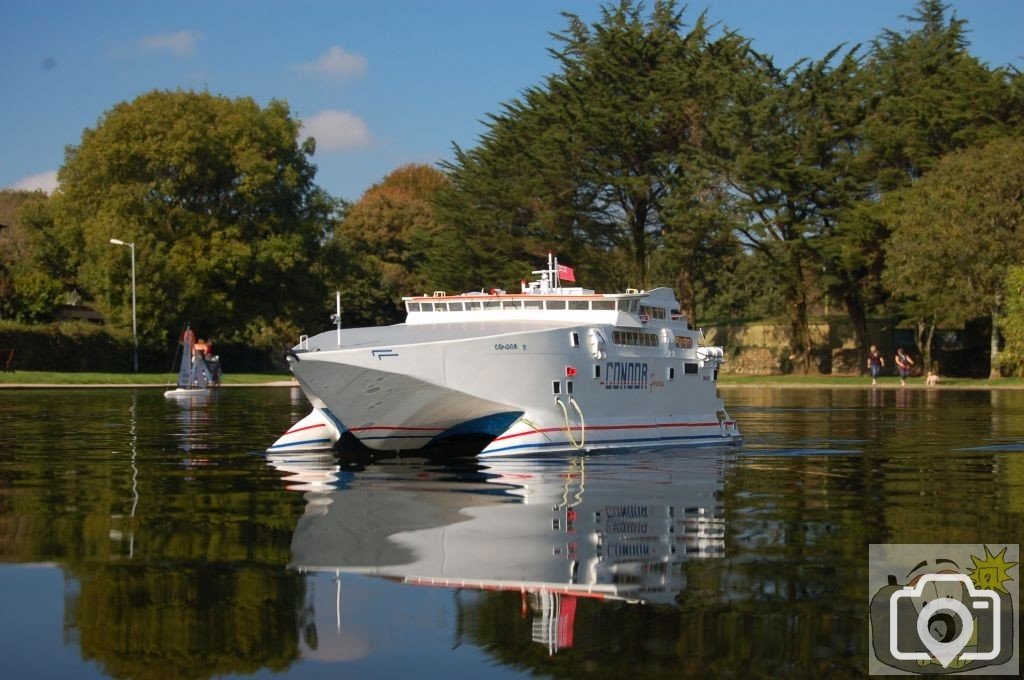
{"x": 626, "y": 375}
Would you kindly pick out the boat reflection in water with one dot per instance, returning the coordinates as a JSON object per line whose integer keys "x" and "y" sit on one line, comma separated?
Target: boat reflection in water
{"x": 552, "y": 529}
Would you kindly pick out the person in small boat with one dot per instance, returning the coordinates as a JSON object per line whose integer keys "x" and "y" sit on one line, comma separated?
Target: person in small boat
{"x": 903, "y": 364}
{"x": 875, "y": 363}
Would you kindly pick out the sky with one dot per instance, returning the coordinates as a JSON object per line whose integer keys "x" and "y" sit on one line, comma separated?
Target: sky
{"x": 379, "y": 84}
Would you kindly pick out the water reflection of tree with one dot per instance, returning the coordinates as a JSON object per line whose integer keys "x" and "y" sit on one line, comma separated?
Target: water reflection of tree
{"x": 184, "y": 620}
{"x": 206, "y": 592}
{"x": 171, "y": 570}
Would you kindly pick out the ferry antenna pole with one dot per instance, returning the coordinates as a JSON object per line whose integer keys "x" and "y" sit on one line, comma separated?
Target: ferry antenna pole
{"x": 337, "y": 314}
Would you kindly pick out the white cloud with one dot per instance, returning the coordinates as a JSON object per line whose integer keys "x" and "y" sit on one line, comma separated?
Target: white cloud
{"x": 337, "y": 131}
{"x": 180, "y": 44}
{"x": 44, "y": 181}
{"x": 336, "y": 64}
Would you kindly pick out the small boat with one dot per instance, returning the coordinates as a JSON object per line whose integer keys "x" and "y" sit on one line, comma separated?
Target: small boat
{"x": 198, "y": 371}
{"x": 549, "y": 368}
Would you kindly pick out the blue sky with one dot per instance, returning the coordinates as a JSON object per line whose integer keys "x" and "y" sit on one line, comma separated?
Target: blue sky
{"x": 379, "y": 84}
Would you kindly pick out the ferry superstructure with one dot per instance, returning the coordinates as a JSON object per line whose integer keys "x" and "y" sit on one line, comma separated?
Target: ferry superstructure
{"x": 549, "y": 368}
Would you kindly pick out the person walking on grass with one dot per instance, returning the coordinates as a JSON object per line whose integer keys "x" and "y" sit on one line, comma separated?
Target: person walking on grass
{"x": 875, "y": 363}
{"x": 903, "y": 364}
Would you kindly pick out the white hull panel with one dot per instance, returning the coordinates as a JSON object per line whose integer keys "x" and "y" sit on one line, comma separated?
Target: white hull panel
{"x": 403, "y": 397}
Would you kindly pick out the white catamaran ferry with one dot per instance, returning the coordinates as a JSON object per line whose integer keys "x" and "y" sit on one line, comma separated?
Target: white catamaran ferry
{"x": 549, "y": 368}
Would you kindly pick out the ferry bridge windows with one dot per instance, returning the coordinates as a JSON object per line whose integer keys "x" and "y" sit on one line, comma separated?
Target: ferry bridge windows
{"x": 629, "y": 306}
{"x": 653, "y": 312}
{"x": 635, "y": 339}
{"x": 684, "y": 342}
{"x": 412, "y": 306}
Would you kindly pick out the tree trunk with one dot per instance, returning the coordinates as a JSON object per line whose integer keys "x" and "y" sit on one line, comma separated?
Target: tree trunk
{"x": 800, "y": 334}
{"x": 923, "y": 336}
{"x": 997, "y": 315}
{"x": 687, "y": 303}
{"x": 859, "y": 321}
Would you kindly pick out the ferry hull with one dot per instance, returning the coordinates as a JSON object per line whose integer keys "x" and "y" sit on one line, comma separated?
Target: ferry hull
{"x": 390, "y": 411}
{"x": 513, "y": 401}
{"x": 548, "y": 369}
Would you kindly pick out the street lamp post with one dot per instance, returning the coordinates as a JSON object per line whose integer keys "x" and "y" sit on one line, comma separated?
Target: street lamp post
{"x": 135, "y": 335}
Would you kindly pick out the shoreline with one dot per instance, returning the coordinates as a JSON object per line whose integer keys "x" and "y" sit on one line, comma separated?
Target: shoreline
{"x": 955, "y": 384}
{"x": 162, "y": 386}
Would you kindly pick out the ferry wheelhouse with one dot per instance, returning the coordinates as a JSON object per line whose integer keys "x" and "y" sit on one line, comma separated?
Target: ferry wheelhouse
{"x": 549, "y": 368}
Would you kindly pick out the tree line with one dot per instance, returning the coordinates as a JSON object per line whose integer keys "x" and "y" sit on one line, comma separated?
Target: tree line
{"x": 881, "y": 179}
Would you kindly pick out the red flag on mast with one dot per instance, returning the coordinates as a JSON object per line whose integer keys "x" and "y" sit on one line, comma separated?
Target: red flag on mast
{"x": 566, "y": 274}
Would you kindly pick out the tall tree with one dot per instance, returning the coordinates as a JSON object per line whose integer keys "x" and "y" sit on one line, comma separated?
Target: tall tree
{"x": 956, "y": 233}
{"x": 931, "y": 96}
{"x": 28, "y": 291}
{"x": 218, "y": 196}
{"x": 587, "y": 162}
{"x": 788, "y": 146}
{"x": 391, "y": 243}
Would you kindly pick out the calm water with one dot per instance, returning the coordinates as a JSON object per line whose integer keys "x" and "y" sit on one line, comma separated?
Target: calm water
{"x": 144, "y": 537}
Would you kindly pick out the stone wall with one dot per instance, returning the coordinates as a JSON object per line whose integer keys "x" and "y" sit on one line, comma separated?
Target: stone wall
{"x": 763, "y": 348}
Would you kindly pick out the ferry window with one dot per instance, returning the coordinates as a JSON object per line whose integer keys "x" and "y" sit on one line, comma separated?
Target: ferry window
{"x": 597, "y": 371}
{"x": 574, "y": 339}
{"x": 474, "y": 306}
{"x": 533, "y": 304}
{"x": 440, "y": 307}
{"x": 684, "y": 342}
{"x": 579, "y": 304}
{"x": 512, "y": 304}
{"x": 427, "y": 307}
{"x": 690, "y": 369}
{"x": 412, "y": 306}
{"x": 568, "y": 387}
{"x": 555, "y": 304}
{"x": 658, "y": 312}
{"x": 455, "y": 306}
{"x": 556, "y": 387}
{"x": 715, "y": 376}
{"x": 671, "y": 372}
{"x": 645, "y": 310}
{"x": 635, "y": 338}
{"x": 492, "y": 304}
{"x": 604, "y": 304}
